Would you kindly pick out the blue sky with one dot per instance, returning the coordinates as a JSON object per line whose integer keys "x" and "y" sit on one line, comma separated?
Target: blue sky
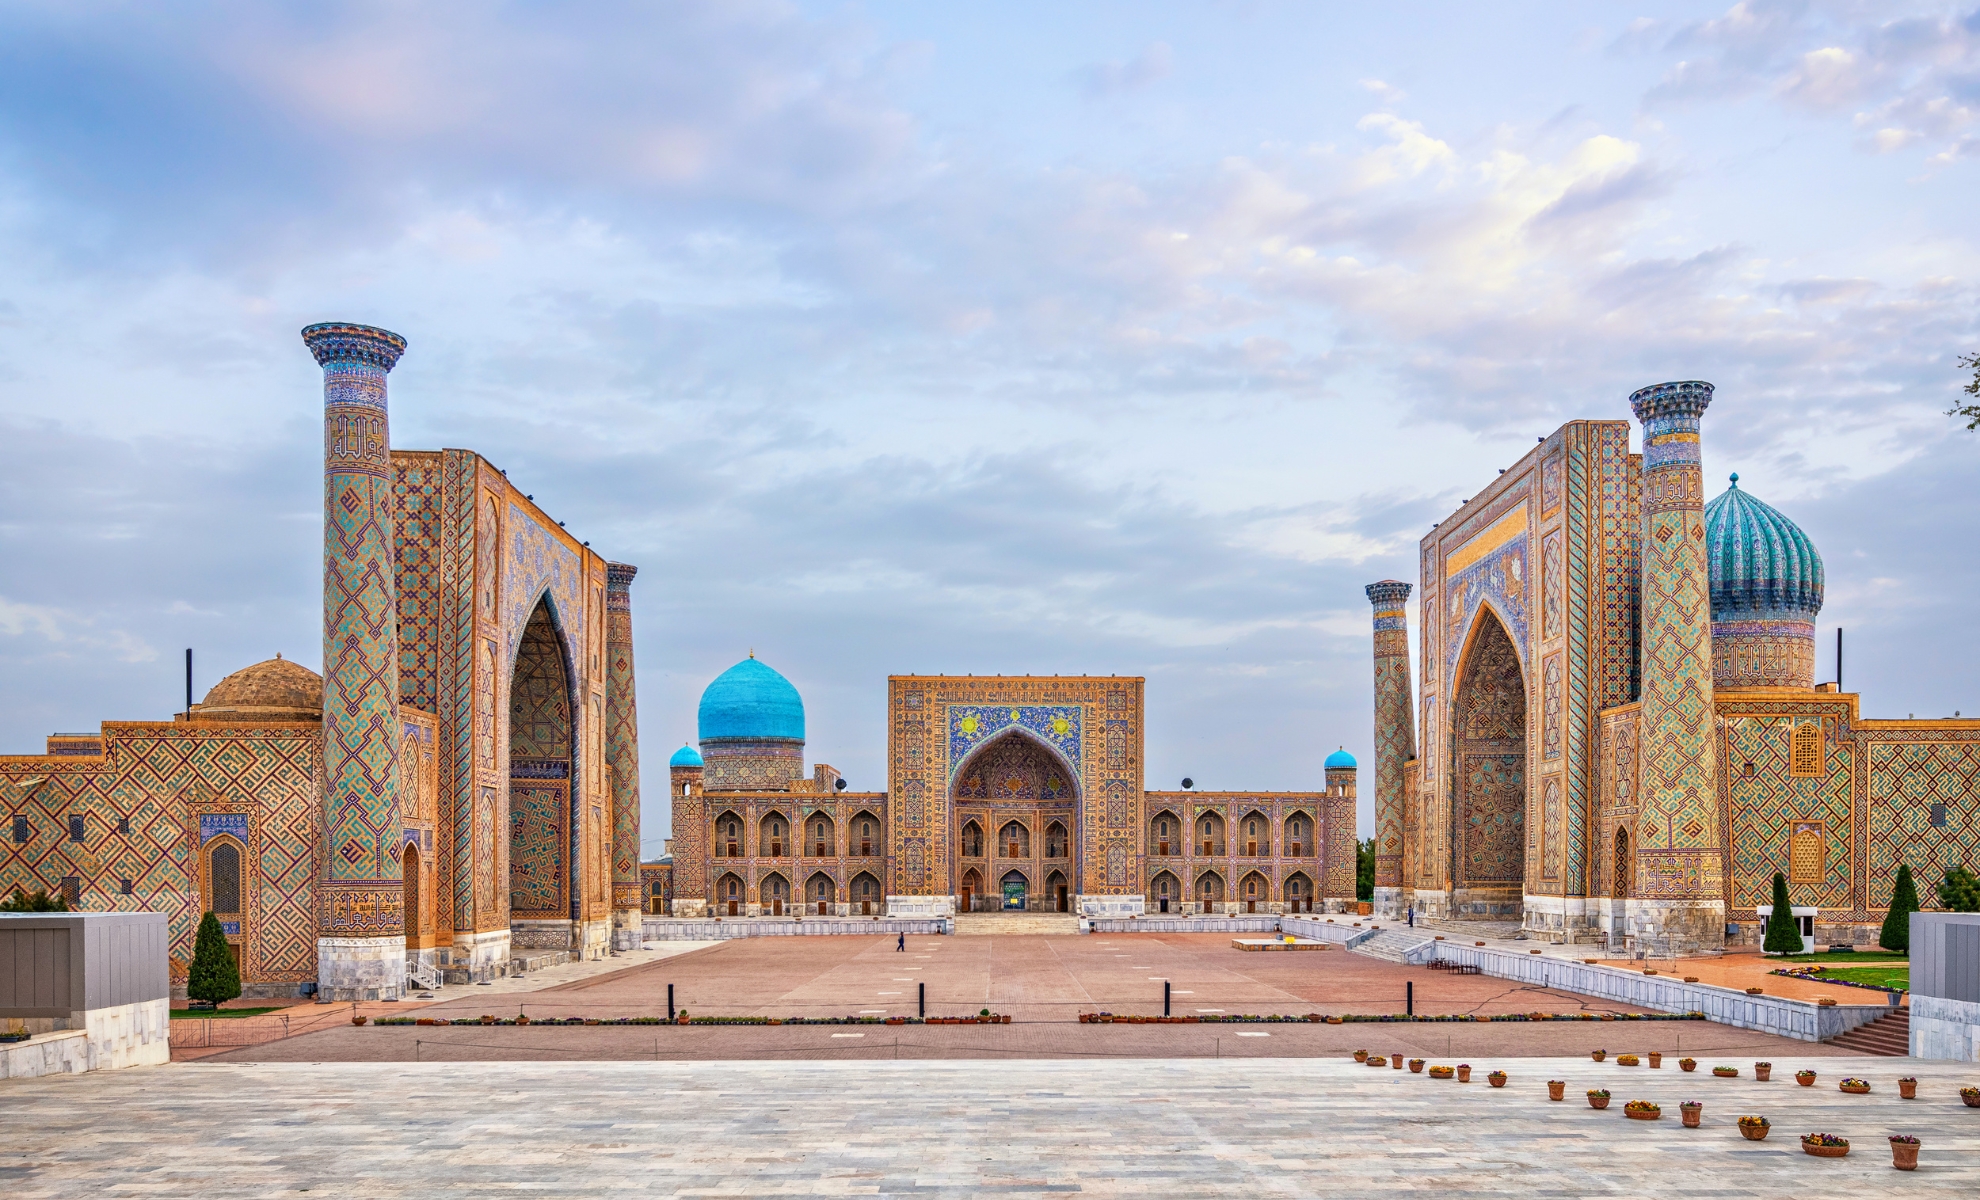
{"x": 1110, "y": 338}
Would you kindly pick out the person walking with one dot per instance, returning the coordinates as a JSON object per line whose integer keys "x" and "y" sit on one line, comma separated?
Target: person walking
{"x": 901, "y": 946}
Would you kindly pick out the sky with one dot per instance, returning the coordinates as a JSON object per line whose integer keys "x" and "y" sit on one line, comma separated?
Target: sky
{"x": 1111, "y": 338}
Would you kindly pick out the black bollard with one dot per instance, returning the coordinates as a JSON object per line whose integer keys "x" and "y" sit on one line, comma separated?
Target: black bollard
{"x": 1165, "y": 997}
{"x": 921, "y": 1000}
{"x": 670, "y": 1002}
{"x": 1409, "y": 997}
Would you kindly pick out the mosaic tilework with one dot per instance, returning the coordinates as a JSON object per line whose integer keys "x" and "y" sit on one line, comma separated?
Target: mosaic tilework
{"x": 361, "y": 886}
{"x": 1490, "y": 716}
{"x": 417, "y": 490}
{"x": 1765, "y": 801}
{"x": 622, "y": 736}
{"x": 464, "y": 687}
{"x": 1058, "y": 726}
{"x": 1679, "y": 852}
{"x": 1395, "y": 740}
{"x": 1489, "y": 571}
{"x": 1911, "y": 771}
{"x": 539, "y": 839}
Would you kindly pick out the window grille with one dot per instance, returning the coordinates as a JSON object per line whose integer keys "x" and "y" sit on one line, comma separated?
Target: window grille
{"x": 1806, "y": 859}
{"x": 1805, "y": 750}
{"x": 77, "y": 831}
{"x": 226, "y": 870}
{"x": 20, "y": 830}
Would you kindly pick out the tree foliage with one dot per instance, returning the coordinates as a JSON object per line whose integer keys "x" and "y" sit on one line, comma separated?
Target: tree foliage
{"x": 1971, "y": 409}
{"x": 1364, "y": 870}
{"x": 23, "y": 901}
{"x": 1783, "y": 931}
{"x": 214, "y": 976}
{"x": 1960, "y": 891}
{"x": 1897, "y": 923}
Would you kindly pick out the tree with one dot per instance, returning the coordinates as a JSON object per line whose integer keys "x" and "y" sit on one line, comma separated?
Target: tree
{"x": 1960, "y": 892}
{"x": 1783, "y": 931}
{"x": 1904, "y": 902}
{"x": 215, "y": 976}
{"x": 1970, "y": 411}
{"x": 1364, "y": 870}
{"x": 40, "y": 901}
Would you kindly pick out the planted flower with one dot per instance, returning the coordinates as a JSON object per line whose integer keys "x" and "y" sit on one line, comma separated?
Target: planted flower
{"x": 1824, "y": 1145}
{"x": 1642, "y": 1110}
{"x": 1627, "y": 1060}
{"x": 1726, "y": 1072}
{"x": 1598, "y": 1097}
{"x": 1441, "y": 1072}
{"x": 1687, "y": 1064}
{"x": 1970, "y": 1097}
{"x": 1855, "y": 1087}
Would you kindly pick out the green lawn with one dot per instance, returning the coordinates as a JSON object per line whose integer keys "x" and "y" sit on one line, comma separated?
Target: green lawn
{"x": 200, "y": 1014}
{"x": 1844, "y": 959}
{"x": 1893, "y": 977}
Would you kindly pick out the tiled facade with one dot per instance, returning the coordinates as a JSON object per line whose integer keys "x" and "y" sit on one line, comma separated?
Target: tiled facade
{"x": 1575, "y": 714}
{"x": 472, "y": 814}
{"x": 1006, "y": 793}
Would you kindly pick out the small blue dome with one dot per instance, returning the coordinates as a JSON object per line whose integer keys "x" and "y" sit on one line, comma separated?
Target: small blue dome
{"x": 752, "y": 702}
{"x": 686, "y": 756}
{"x": 1761, "y": 563}
{"x": 1340, "y": 759}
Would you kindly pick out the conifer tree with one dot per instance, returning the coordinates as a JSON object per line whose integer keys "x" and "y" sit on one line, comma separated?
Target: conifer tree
{"x": 1783, "y": 931}
{"x": 1904, "y": 902}
{"x": 214, "y": 977}
{"x": 1960, "y": 892}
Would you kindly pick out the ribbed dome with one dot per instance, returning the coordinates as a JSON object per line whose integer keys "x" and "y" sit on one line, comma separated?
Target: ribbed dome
{"x": 276, "y": 683}
{"x": 752, "y": 702}
{"x": 1339, "y": 759}
{"x": 1761, "y": 562}
{"x": 686, "y": 756}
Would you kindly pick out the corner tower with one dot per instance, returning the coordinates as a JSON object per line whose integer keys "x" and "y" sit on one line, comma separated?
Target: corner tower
{"x": 1395, "y": 738}
{"x": 622, "y": 755}
{"x": 360, "y": 948}
{"x": 1678, "y": 900}
{"x": 1766, "y": 592}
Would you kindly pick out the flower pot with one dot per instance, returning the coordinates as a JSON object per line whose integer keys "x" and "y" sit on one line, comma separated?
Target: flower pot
{"x": 1641, "y": 1114}
{"x": 359, "y": 1020}
{"x": 1854, "y": 1089}
{"x": 1726, "y": 1072}
{"x": 1656, "y": 1058}
{"x": 1598, "y": 1055}
{"x": 1598, "y": 1102}
{"x": 1416, "y": 1066}
{"x": 1763, "y": 1071}
{"x": 1395, "y": 1060}
{"x": 1378, "y": 1060}
{"x": 1754, "y": 1133}
{"x": 1464, "y": 1074}
{"x": 1556, "y": 1089}
{"x": 1686, "y": 1064}
{"x": 1689, "y": 1114}
{"x": 1970, "y": 1097}
{"x": 1805, "y": 1078}
{"x": 1907, "y": 1089}
{"x": 1361, "y": 1056}
{"x": 1821, "y": 1151}
{"x": 1496, "y": 1079}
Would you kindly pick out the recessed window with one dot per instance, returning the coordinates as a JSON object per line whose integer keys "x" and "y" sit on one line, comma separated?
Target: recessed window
{"x": 1805, "y": 750}
{"x": 123, "y": 824}
{"x": 125, "y": 887}
{"x": 76, "y": 827}
{"x": 20, "y": 830}
{"x": 1939, "y": 816}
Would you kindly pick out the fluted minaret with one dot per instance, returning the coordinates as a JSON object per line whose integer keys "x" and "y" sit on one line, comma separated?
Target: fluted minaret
{"x": 1677, "y": 899}
{"x": 1395, "y": 738}
{"x": 360, "y": 885}
{"x": 622, "y": 755}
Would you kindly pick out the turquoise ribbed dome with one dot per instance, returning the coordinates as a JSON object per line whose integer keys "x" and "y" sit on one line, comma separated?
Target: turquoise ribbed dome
{"x": 750, "y": 701}
{"x": 686, "y": 756}
{"x": 1762, "y": 565}
{"x": 1339, "y": 759}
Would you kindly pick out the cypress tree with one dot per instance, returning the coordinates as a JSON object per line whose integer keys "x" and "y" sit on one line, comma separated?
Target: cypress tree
{"x": 1783, "y": 931}
{"x": 214, "y": 977}
{"x": 1904, "y": 902}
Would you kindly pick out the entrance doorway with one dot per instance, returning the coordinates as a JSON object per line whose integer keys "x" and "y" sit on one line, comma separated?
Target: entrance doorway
{"x": 1014, "y": 892}
{"x": 1489, "y": 713}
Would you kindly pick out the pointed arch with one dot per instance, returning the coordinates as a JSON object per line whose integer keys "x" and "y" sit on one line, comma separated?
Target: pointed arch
{"x": 773, "y": 891}
{"x": 773, "y": 835}
{"x": 730, "y": 895}
{"x": 959, "y": 771}
{"x": 866, "y": 893}
{"x": 545, "y": 867}
{"x": 1299, "y": 834}
{"x": 863, "y": 834}
{"x": 1166, "y": 833}
{"x": 1057, "y": 845}
{"x": 820, "y": 892}
{"x": 1209, "y": 833}
{"x": 1165, "y": 892}
{"x": 1253, "y": 890}
{"x": 820, "y": 835}
{"x": 729, "y": 840}
{"x": 1209, "y": 891}
{"x": 1299, "y": 892}
{"x": 1489, "y": 727}
{"x": 1255, "y": 834}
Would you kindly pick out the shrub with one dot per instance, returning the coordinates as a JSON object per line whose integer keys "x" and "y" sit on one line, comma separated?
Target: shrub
{"x": 39, "y": 901}
{"x": 214, "y": 975}
{"x": 1960, "y": 892}
{"x": 1897, "y": 923}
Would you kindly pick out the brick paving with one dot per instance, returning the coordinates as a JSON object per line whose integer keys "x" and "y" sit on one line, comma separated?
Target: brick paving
{"x": 1242, "y": 1128}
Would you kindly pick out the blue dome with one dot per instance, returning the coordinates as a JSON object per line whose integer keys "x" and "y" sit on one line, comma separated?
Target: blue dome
{"x": 686, "y": 756}
{"x": 750, "y": 701}
{"x": 1339, "y": 759}
{"x": 1761, "y": 563}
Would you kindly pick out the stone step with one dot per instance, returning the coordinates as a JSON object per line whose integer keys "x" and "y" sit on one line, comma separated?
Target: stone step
{"x": 1394, "y": 945}
{"x": 1011, "y": 924}
{"x": 1889, "y": 1037}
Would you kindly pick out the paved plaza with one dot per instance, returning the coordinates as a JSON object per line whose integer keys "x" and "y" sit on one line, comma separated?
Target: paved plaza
{"x": 1024, "y": 1128}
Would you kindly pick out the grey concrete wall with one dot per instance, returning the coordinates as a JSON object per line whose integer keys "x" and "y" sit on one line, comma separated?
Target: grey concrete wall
{"x": 1944, "y": 1029}
{"x": 1945, "y": 955}
{"x": 58, "y": 964}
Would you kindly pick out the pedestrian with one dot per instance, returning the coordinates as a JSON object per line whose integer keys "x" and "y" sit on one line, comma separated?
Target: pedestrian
{"x": 901, "y": 946}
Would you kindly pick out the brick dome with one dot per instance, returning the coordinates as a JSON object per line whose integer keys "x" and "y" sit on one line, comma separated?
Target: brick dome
{"x": 275, "y": 690}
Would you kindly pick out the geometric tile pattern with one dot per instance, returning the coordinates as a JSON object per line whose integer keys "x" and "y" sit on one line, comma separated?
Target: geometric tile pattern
{"x": 1907, "y": 778}
{"x": 1490, "y": 715}
{"x": 622, "y": 737}
{"x": 539, "y": 815}
{"x": 1765, "y": 801}
{"x": 1395, "y": 740}
{"x": 362, "y": 889}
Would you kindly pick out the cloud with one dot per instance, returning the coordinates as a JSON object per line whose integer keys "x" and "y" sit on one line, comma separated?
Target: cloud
{"x": 1150, "y": 66}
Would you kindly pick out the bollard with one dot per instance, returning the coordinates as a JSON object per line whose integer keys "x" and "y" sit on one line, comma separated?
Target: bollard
{"x": 921, "y": 1000}
{"x": 1409, "y": 997}
{"x": 670, "y": 1002}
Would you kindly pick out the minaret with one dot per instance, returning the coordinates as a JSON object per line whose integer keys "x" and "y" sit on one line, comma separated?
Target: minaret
{"x": 1395, "y": 739}
{"x": 693, "y": 854}
{"x": 622, "y": 755}
{"x": 1338, "y": 867}
{"x": 360, "y": 896}
{"x": 1677, "y": 900}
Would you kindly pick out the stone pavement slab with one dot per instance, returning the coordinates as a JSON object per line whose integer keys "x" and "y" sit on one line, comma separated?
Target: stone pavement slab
{"x": 1241, "y": 1128}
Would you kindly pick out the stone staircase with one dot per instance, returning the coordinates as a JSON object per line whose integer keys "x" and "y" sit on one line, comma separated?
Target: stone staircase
{"x": 1397, "y": 946}
{"x": 1014, "y": 924}
{"x": 1889, "y": 1036}
{"x": 1473, "y": 930}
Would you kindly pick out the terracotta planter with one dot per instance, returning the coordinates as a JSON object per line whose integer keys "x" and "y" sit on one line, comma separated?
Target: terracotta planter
{"x": 1763, "y": 1071}
{"x": 1416, "y": 1066}
{"x": 1808, "y": 1147}
{"x": 1598, "y": 1055}
{"x": 1496, "y": 1079}
{"x": 359, "y": 1020}
{"x": 1970, "y": 1097}
{"x": 1689, "y": 1114}
{"x": 1464, "y": 1074}
{"x": 1361, "y": 1056}
{"x": 1378, "y": 1060}
{"x": 1598, "y": 1102}
{"x": 1805, "y": 1078}
{"x": 1556, "y": 1089}
{"x": 1755, "y": 1133}
{"x": 1685, "y": 1064}
{"x": 1656, "y": 1058}
{"x": 1638, "y": 1114}
{"x": 1395, "y": 1060}
{"x": 1904, "y": 1155}
{"x": 1854, "y": 1089}
{"x": 1907, "y": 1089}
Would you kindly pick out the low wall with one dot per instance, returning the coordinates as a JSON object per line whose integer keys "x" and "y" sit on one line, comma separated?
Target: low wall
{"x": 714, "y": 929}
{"x": 1320, "y": 929}
{"x": 1944, "y": 1029}
{"x": 1261, "y": 923}
{"x": 1803, "y": 1020}
{"x": 97, "y": 1039}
